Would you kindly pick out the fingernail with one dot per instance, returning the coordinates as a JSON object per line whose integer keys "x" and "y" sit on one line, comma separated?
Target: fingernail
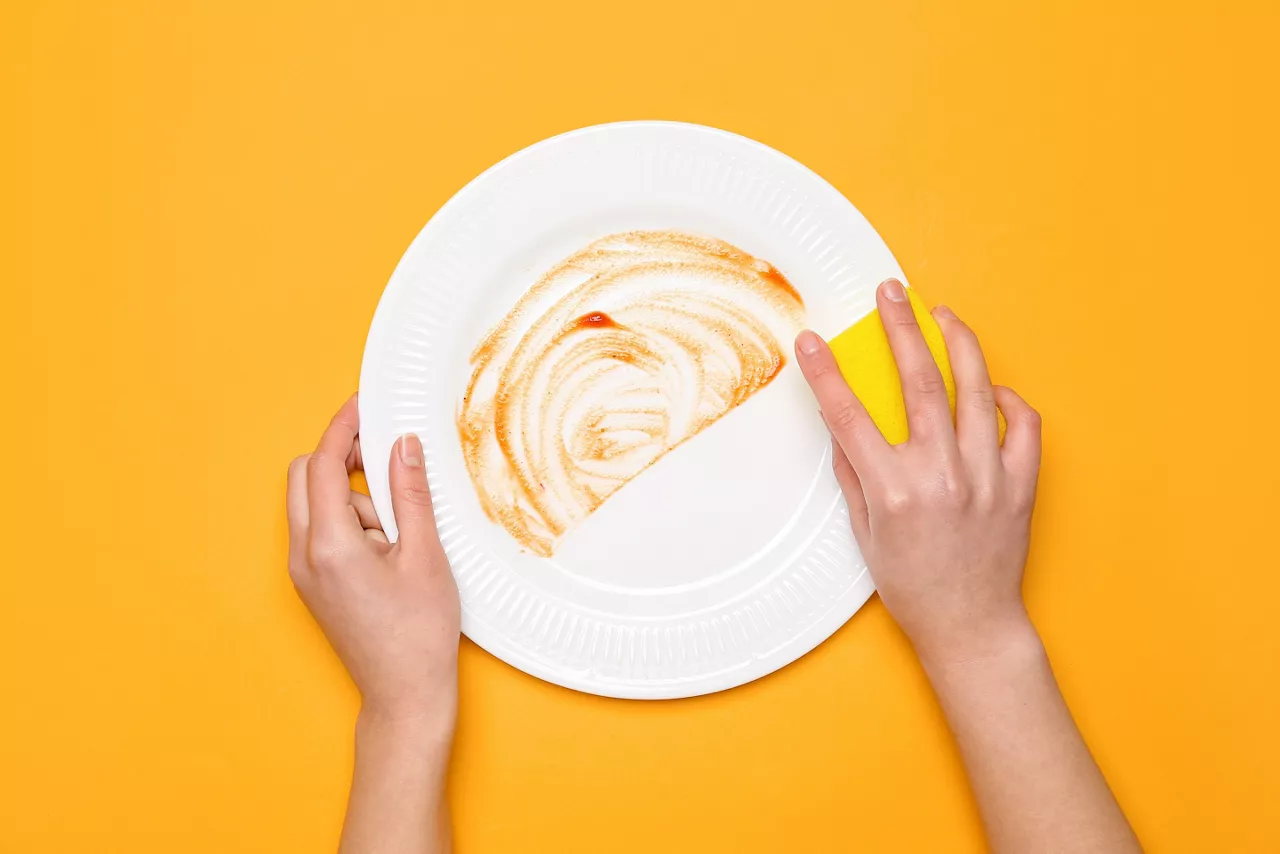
{"x": 892, "y": 289}
{"x": 808, "y": 343}
{"x": 943, "y": 312}
{"x": 411, "y": 450}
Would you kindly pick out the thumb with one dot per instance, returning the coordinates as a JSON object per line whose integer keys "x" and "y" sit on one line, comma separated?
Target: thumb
{"x": 410, "y": 497}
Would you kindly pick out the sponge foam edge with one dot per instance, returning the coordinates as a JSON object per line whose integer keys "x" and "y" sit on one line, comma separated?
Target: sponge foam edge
{"x": 866, "y": 361}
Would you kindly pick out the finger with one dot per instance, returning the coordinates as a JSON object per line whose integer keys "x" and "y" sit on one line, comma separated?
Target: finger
{"x": 295, "y": 499}
{"x": 923, "y": 391}
{"x": 851, "y": 486}
{"x": 376, "y": 535}
{"x": 355, "y": 459}
{"x": 363, "y": 506}
{"x": 328, "y": 481}
{"x": 977, "y": 432}
{"x": 1021, "y": 451}
{"x": 846, "y": 417}
{"x": 411, "y": 498}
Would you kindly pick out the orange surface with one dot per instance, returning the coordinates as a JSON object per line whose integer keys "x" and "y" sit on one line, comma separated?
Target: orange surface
{"x": 201, "y": 203}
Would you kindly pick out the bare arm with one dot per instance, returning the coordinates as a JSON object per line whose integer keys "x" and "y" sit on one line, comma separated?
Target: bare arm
{"x": 397, "y": 799}
{"x": 391, "y": 614}
{"x": 1037, "y": 785}
{"x": 944, "y": 522}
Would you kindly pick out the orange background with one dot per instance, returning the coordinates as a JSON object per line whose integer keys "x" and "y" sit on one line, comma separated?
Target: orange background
{"x": 201, "y": 204}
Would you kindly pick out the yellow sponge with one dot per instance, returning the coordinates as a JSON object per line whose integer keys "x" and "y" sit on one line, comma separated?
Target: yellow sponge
{"x": 863, "y": 354}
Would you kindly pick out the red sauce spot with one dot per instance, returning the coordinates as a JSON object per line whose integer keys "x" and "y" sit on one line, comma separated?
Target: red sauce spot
{"x": 595, "y": 320}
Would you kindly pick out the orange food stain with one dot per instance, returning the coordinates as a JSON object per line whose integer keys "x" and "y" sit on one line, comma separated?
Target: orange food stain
{"x": 773, "y": 275}
{"x": 559, "y": 415}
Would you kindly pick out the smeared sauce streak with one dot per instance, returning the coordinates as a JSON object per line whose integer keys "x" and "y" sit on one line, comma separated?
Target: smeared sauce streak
{"x": 617, "y": 355}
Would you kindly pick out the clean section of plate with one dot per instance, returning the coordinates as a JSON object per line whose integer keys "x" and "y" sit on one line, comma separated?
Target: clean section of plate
{"x": 731, "y": 556}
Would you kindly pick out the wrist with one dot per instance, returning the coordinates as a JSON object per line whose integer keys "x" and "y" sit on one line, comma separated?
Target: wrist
{"x": 421, "y": 728}
{"x": 1008, "y": 667}
{"x": 1007, "y": 637}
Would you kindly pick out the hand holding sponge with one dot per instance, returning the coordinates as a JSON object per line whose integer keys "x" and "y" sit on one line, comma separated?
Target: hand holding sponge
{"x": 866, "y": 361}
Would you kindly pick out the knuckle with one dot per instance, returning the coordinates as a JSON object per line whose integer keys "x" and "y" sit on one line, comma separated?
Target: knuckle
{"x": 957, "y": 492}
{"x": 418, "y": 496}
{"x": 1032, "y": 418}
{"x": 822, "y": 368}
{"x": 904, "y": 317}
{"x": 896, "y": 502}
{"x": 983, "y": 396}
{"x": 844, "y": 416}
{"x": 927, "y": 382}
{"x": 324, "y": 551}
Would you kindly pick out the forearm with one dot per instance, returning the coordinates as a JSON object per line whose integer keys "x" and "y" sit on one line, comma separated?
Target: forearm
{"x": 397, "y": 803}
{"x": 1036, "y": 784}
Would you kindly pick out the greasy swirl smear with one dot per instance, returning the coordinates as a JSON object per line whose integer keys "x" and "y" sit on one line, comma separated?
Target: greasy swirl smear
{"x": 617, "y": 355}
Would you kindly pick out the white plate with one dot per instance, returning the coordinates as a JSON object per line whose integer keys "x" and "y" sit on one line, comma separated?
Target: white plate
{"x": 730, "y": 557}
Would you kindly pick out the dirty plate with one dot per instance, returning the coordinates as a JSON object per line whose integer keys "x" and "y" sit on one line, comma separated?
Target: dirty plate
{"x": 728, "y": 557}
